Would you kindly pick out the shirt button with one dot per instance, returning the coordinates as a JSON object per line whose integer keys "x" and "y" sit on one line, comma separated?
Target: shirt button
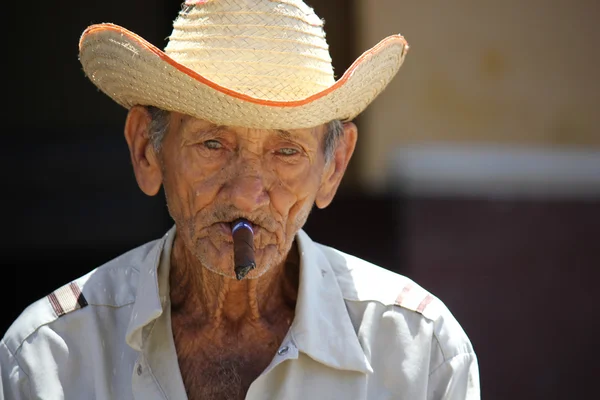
{"x": 139, "y": 369}
{"x": 282, "y": 351}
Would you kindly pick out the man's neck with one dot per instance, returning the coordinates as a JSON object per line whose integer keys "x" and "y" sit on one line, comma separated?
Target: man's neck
{"x": 213, "y": 302}
{"x": 226, "y": 332}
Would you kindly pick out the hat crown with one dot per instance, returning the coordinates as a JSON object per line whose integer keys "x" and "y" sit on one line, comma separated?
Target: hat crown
{"x": 267, "y": 49}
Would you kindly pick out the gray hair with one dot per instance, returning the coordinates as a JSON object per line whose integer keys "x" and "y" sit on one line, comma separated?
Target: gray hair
{"x": 159, "y": 125}
{"x": 335, "y": 130}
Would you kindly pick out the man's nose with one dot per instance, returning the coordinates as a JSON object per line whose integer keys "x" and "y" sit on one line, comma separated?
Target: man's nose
{"x": 248, "y": 193}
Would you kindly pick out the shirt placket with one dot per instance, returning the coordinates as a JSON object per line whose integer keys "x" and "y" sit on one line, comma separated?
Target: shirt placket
{"x": 287, "y": 351}
{"x": 144, "y": 384}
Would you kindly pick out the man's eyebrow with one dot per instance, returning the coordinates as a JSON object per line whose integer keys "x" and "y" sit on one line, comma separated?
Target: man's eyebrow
{"x": 215, "y": 128}
{"x": 298, "y": 137}
{"x": 208, "y": 129}
{"x": 287, "y": 135}
{"x": 284, "y": 134}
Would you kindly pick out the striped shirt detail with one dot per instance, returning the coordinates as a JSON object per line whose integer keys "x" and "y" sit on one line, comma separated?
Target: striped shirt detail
{"x": 424, "y": 303}
{"x": 403, "y": 294}
{"x": 414, "y": 298}
{"x": 66, "y": 299}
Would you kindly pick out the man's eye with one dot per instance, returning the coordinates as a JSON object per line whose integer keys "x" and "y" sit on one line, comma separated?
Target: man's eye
{"x": 212, "y": 144}
{"x": 287, "y": 151}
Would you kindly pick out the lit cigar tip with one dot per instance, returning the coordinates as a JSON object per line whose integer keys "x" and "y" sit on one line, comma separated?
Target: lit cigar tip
{"x": 242, "y": 270}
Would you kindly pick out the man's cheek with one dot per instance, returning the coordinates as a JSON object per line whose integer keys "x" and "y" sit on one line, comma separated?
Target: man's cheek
{"x": 300, "y": 214}
{"x": 282, "y": 202}
{"x": 198, "y": 194}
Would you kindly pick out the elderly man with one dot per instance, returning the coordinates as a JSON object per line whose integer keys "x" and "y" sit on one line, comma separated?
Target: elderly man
{"x": 238, "y": 118}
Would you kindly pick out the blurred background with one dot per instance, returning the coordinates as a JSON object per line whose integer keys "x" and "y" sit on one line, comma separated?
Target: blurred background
{"x": 477, "y": 171}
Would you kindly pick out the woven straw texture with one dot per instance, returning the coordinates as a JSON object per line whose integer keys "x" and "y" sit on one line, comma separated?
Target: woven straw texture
{"x": 258, "y": 64}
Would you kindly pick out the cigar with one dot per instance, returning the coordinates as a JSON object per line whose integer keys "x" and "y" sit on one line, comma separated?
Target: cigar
{"x": 243, "y": 248}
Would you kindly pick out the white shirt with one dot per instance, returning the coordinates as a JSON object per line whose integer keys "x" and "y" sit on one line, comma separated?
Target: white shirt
{"x": 359, "y": 332}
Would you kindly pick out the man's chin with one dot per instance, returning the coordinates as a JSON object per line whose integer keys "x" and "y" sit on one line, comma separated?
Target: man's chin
{"x": 221, "y": 262}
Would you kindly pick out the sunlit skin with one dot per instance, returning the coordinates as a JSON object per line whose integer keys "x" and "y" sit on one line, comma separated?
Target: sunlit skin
{"x": 212, "y": 175}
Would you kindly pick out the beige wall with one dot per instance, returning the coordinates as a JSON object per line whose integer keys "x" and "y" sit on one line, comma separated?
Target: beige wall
{"x": 507, "y": 72}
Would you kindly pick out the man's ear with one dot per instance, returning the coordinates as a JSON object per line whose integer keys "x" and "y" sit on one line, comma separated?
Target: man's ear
{"x": 146, "y": 165}
{"x": 334, "y": 171}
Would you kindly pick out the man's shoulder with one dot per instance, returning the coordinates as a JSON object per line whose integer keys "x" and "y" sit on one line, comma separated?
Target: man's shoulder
{"x": 112, "y": 284}
{"x": 361, "y": 280}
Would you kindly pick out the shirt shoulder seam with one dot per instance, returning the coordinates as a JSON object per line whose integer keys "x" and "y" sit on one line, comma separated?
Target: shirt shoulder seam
{"x": 14, "y": 355}
{"x": 446, "y": 361}
{"x": 27, "y": 336}
{"x": 437, "y": 340}
{"x": 388, "y": 304}
{"x": 108, "y": 269}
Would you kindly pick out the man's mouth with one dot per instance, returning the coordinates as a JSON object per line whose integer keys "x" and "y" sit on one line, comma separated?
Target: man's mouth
{"x": 226, "y": 228}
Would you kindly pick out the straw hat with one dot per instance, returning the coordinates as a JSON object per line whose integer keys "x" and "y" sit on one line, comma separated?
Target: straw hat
{"x": 258, "y": 64}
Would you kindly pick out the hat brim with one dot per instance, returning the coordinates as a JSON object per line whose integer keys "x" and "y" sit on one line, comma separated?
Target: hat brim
{"x": 133, "y": 71}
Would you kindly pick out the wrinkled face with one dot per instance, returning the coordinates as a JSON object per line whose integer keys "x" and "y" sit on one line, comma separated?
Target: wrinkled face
{"x": 215, "y": 174}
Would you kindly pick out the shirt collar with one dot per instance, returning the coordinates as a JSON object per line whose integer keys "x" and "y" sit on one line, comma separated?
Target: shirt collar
{"x": 151, "y": 294}
{"x": 322, "y": 328}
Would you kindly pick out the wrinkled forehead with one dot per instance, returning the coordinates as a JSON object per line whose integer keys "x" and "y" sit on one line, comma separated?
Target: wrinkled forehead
{"x": 191, "y": 124}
